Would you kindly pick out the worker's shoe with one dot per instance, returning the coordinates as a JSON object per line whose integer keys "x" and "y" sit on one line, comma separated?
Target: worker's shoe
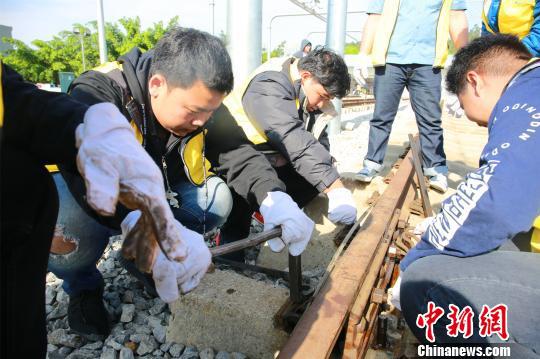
{"x": 145, "y": 278}
{"x": 370, "y": 170}
{"x": 438, "y": 182}
{"x": 87, "y": 314}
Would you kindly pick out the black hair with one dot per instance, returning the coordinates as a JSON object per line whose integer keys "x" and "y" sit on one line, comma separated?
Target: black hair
{"x": 492, "y": 54}
{"x": 185, "y": 55}
{"x": 329, "y": 69}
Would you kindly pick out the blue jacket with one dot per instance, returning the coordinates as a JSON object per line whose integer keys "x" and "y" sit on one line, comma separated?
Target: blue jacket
{"x": 520, "y": 18}
{"x": 501, "y": 198}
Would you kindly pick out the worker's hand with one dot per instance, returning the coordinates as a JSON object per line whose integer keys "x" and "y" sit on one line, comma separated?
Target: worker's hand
{"x": 453, "y": 106}
{"x": 393, "y": 294}
{"x": 422, "y": 227}
{"x": 361, "y": 70}
{"x": 278, "y": 209}
{"x": 110, "y": 159}
{"x": 169, "y": 274}
{"x": 341, "y": 206}
{"x": 115, "y": 168}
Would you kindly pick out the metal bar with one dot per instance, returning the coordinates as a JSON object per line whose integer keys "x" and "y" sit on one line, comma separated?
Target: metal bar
{"x": 341, "y": 247}
{"x": 246, "y": 243}
{"x": 275, "y": 273}
{"x": 295, "y": 278}
{"x": 426, "y": 205}
{"x": 336, "y": 28}
{"x": 101, "y": 33}
{"x": 317, "y": 331}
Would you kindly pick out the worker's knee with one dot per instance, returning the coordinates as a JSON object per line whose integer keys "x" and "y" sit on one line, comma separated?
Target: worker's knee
{"x": 203, "y": 208}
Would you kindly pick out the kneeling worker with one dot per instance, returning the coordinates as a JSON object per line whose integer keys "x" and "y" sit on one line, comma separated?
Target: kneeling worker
{"x": 169, "y": 94}
{"x": 283, "y": 108}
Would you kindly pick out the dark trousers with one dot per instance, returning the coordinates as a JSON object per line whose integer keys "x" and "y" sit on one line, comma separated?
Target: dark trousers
{"x": 424, "y": 85}
{"x": 505, "y": 276}
{"x": 29, "y": 206}
{"x": 238, "y": 223}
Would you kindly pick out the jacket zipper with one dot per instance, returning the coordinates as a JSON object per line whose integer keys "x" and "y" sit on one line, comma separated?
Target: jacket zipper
{"x": 171, "y": 195}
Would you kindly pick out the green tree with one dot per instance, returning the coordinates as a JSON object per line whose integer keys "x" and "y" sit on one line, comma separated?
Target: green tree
{"x": 474, "y": 32}
{"x": 277, "y": 52}
{"x": 351, "y": 48}
{"x": 42, "y": 61}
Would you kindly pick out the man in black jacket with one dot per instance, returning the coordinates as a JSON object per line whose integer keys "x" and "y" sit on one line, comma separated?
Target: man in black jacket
{"x": 284, "y": 107}
{"x": 39, "y": 128}
{"x": 170, "y": 94}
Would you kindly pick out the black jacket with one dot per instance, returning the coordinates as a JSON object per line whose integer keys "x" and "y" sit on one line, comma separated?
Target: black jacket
{"x": 271, "y": 101}
{"x": 230, "y": 153}
{"x": 39, "y": 122}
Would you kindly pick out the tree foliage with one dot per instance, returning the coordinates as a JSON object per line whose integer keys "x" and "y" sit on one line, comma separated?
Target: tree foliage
{"x": 42, "y": 61}
{"x": 277, "y": 52}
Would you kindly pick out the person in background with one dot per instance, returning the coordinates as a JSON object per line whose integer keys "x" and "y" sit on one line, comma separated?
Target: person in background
{"x": 407, "y": 44}
{"x": 305, "y": 48}
{"x": 520, "y": 18}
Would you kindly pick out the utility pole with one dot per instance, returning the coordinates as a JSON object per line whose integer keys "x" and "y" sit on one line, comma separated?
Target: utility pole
{"x": 335, "y": 39}
{"x": 244, "y": 31}
{"x": 101, "y": 33}
{"x": 81, "y": 33}
{"x": 212, "y": 8}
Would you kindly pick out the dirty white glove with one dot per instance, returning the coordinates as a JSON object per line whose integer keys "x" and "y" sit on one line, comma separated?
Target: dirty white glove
{"x": 453, "y": 107}
{"x": 393, "y": 294}
{"x": 278, "y": 209}
{"x": 169, "y": 274}
{"x": 115, "y": 168}
{"x": 110, "y": 157}
{"x": 422, "y": 227}
{"x": 341, "y": 206}
{"x": 361, "y": 70}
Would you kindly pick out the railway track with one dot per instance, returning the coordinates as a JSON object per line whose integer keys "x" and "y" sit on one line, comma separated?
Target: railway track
{"x": 351, "y": 101}
{"x": 351, "y": 300}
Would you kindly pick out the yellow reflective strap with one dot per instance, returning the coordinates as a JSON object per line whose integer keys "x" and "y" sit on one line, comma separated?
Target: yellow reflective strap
{"x": 385, "y": 28}
{"x": 535, "y": 239}
{"x": 193, "y": 161}
{"x": 109, "y": 66}
{"x": 443, "y": 29}
{"x": 138, "y": 134}
{"x": 52, "y": 168}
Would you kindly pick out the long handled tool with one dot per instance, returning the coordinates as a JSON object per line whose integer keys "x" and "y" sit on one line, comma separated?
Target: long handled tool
{"x": 246, "y": 243}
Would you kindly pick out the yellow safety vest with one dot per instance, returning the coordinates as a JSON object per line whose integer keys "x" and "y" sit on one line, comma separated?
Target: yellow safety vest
{"x": 386, "y": 28}
{"x": 513, "y": 17}
{"x": 252, "y": 130}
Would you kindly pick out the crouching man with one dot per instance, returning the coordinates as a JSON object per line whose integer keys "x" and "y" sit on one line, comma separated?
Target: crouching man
{"x": 475, "y": 255}
{"x": 169, "y": 95}
{"x": 284, "y": 107}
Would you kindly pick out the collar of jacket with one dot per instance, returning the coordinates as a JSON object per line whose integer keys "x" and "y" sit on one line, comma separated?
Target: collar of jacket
{"x": 136, "y": 68}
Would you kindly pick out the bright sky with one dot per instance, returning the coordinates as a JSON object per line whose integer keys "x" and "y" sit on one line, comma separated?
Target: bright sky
{"x": 41, "y": 19}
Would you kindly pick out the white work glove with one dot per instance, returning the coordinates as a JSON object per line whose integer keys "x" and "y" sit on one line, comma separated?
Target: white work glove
{"x": 453, "y": 107}
{"x": 167, "y": 274}
{"x": 116, "y": 167}
{"x": 361, "y": 70}
{"x": 422, "y": 227}
{"x": 278, "y": 209}
{"x": 393, "y": 294}
{"x": 341, "y": 206}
